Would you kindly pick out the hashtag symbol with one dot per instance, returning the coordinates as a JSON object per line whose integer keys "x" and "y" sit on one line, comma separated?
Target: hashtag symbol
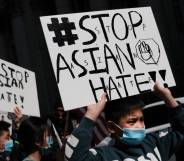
{"x": 66, "y": 27}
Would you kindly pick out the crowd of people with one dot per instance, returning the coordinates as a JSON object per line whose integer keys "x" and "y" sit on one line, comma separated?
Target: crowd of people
{"x": 34, "y": 138}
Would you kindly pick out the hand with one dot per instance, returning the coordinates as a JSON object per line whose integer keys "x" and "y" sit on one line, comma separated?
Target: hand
{"x": 166, "y": 95}
{"x": 18, "y": 113}
{"x": 94, "y": 110}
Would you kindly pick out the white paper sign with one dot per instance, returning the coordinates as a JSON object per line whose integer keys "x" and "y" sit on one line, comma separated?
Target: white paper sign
{"x": 18, "y": 88}
{"x": 116, "y": 51}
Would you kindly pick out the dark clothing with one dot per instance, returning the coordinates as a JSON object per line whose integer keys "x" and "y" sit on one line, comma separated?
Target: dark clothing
{"x": 5, "y": 156}
{"x": 153, "y": 147}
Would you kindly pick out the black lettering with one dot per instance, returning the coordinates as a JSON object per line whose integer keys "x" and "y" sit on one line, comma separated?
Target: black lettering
{"x": 3, "y": 67}
{"x": 115, "y": 88}
{"x": 119, "y": 85}
{"x": 99, "y": 60}
{"x": 102, "y": 24}
{"x": 129, "y": 60}
{"x": 2, "y": 96}
{"x": 86, "y": 62}
{"x": 60, "y": 57}
{"x": 22, "y": 98}
{"x": 95, "y": 89}
{"x": 7, "y": 82}
{"x": 9, "y": 96}
{"x": 77, "y": 63}
{"x": 139, "y": 83}
{"x": 88, "y": 30}
{"x": 20, "y": 79}
{"x": 108, "y": 28}
{"x": 96, "y": 70}
{"x": 96, "y": 29}
{"x": 72, "y": 67}
{"x": 26, "y": 76}
{"x": 11, "y": 71}
{"x": 122, "y": 77}
{"x": 1, "y": 83}
{"x": 20, "y": 84}
{"x": 14, "y": 82}
{"x": 15, "y": 98}
{"x": 110, "y": 57}
{"x": 113, "y": 27}
{"x": 135, "y": 24}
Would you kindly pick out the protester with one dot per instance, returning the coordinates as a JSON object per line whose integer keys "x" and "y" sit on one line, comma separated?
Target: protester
{"x": 6, "y": 144}
{"x": 129, "y": 140}
{"x": 32, "y": 137}
{"x": 17, "y": 117}
{"x": 62, "y": 122}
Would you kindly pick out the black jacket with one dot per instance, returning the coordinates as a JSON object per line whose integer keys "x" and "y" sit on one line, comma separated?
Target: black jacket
{"x": 153, "y": 148}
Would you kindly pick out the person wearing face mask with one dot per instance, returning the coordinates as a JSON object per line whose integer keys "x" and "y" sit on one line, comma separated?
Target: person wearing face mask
{"x": 125, "y": 122}
{"x": 6, "y": 143}
{"x": 48, "y": 149}
{"x": 31, "y": 136}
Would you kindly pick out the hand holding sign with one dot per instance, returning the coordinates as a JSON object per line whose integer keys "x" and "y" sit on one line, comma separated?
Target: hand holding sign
{"x": 18, "y": 113}
{"x": 165, "y": 94}
{"x": 94, "y": 110}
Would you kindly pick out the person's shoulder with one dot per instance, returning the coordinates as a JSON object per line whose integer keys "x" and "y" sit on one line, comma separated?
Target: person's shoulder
{"x": 151, "y": 139}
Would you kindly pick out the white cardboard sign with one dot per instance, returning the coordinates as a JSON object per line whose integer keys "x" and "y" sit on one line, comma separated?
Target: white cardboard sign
{"x": 116, "y": 51}
{"x": 18, "y": 88}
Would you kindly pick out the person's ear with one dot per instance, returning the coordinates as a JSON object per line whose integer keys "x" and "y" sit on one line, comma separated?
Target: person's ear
{"x": 110, "y": 127}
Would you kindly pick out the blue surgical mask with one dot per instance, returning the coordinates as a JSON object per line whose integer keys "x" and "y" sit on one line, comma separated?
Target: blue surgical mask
{"x": 133, "y": 136}
{"x": 44, "y": 151}
{"x": 8, "y": 145}
{"x": 49, "y": 141}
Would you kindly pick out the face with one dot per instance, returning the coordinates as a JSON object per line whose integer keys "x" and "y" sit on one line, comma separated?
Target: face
{"x": 133, "y": 120}
{"x": 44, "y": 143}
{"x": 60, "y": 114}
{"x": 4, "y": 137}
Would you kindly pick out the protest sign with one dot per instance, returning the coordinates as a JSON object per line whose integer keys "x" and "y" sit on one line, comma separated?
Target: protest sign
{"x": 119, "y": 52}
{"x": 18, "y": 88}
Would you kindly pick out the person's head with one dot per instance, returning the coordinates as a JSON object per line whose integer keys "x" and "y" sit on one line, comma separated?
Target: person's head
{"x": 32, "y": 134}
{"x": 4, "y": 132}
{"x": 60, "y": 113}
{"x": 125, "y": 117}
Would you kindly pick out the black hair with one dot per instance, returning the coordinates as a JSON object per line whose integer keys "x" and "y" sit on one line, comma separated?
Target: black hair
{"x": 116, "y": 109}
{"x": 4, "y": 126}
{"x": 31, "y": 131}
